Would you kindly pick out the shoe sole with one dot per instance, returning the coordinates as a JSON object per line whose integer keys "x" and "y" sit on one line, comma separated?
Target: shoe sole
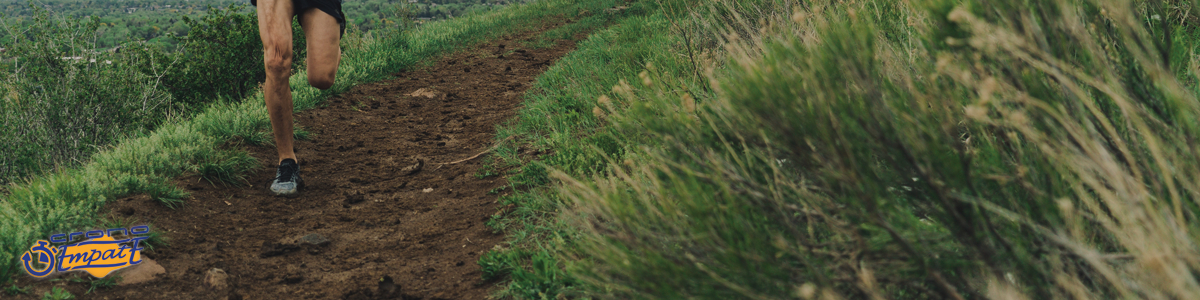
{"x": 293, "y": 194}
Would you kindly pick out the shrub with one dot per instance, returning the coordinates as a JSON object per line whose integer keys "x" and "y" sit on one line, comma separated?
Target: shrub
{"x": 62, "y": 99}
{"x": 221, "y": 56}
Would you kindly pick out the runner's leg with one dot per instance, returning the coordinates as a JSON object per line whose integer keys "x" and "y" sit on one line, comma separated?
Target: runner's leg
{"x": 275, "y": 29}
{"x": 323, "y": 36}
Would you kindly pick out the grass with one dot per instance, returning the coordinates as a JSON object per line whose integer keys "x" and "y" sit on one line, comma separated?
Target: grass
{"x": 58, "y": 294}
{"x": 862, "y": 149}
{"x": 68, "y": 199}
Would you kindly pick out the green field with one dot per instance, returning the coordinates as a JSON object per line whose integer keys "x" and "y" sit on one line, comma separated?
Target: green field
{"x": 772, "y": 149}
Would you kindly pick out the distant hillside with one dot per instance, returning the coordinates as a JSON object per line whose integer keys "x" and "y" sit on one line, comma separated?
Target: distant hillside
{"x": 160, "y": 21}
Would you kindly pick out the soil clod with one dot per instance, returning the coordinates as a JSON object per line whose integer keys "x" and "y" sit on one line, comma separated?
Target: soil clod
{"x": 277, "y": 249}
{"x": 413, "y": 169}
{"x": 388, "y": 289}
{"x": 293, "y": 278}
{"x": 216, "y": 279}
{"x": 354, "y": 197}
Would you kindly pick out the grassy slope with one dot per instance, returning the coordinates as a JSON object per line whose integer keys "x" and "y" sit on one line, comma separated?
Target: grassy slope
{"x": 861, "y": 149}
{"x": 560, "y": 117}
{"x": 67, "y": 200}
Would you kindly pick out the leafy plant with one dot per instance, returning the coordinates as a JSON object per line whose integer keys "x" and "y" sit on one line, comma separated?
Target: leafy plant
{"x": 14, "y": 290}
{"x": 58, "y": 293}
{"x": 221, "y": 56}
{"x": 102, "y": 283}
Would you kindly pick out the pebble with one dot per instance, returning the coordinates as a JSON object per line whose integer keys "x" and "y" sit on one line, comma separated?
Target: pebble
{"x": 145, "y": 271}
{"x": 216, "y": 279}
{"x": 315, "y": 239}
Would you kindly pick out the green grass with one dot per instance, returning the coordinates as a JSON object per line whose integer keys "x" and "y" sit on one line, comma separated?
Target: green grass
{"x": 58, "y": 294}
{"x": 862, "y": 149}
{"x": 68, "y": 199}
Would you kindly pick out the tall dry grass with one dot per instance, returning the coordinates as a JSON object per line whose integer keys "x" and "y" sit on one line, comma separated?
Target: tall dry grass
{"x": 910, "y": 150}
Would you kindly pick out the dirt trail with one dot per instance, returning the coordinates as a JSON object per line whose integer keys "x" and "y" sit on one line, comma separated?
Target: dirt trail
{"x": 425, "y": 230}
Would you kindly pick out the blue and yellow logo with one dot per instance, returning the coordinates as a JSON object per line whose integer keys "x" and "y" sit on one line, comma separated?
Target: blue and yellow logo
{"x": 99, "y": 255}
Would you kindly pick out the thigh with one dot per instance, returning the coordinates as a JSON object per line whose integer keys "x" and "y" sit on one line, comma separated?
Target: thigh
{"x": 323, "y": 35}
{"x": 275, "y": 25}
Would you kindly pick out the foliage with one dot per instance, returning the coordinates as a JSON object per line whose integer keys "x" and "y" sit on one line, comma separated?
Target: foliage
{"x": 67, "y": 199}
{"x": 161, "y": 22}
{"x": 58, "y": 293}
{"x": 13, "y": 290}
{"x": 221, "y": 56}
{"x": 865, "y": 149}
{"x": 61, "y": 99}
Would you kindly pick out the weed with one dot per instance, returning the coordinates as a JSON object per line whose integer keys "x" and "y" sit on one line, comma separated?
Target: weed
{"x": 58, "y": 294}
{"x": 486, "y": 171}
{"x": 494, "y": 267}
{"x": 102, "y": 283}
{"x": 497, "y": 190}
{"x": 14, "y": 290}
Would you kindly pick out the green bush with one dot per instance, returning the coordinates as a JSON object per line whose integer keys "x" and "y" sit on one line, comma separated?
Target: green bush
{"x": 62, "y": 99}
{"x": 221, "y": 57}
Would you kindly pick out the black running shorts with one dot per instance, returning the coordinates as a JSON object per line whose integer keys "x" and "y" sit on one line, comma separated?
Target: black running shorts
{"x": 331, "y": 7}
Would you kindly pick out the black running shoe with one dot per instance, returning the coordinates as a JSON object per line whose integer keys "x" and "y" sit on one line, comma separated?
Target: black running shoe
{"x": 287, "y": 179}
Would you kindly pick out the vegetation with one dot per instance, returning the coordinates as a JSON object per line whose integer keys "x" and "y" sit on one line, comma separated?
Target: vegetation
{"x": 771, "y": 149}
{"x": 62, "y": 100}
{"x": 217, "y": 55}
{"x": 863, "y": 149}
{"x": 164, "y": 22}
{"x": 67, "y": 198}
{"x": 99, "y": 97}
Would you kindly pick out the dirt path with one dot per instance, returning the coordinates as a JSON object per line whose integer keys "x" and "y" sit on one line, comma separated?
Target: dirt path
{"x": 425, "y": 230}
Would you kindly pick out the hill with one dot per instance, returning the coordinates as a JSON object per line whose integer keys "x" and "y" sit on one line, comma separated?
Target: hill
{"x": 161, "y": 22}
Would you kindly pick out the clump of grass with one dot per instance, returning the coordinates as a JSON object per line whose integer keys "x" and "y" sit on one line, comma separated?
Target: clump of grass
{"x": 102, "y": 283}
{"x": 879, "y": 149}
{"x": 58, "y": 293}
{"x": 13, "y": 290}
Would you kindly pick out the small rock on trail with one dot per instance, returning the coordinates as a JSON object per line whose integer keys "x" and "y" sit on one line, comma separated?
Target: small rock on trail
{"x": 413, "y": 169}
{"x": 315, "y": 239}
{"x": 145, "y": 271}
{"x": 426, "y": 93}
{"x": 216, "y": 279}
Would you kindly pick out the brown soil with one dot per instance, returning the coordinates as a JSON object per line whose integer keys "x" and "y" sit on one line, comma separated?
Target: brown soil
{"x": 425, "y": 230}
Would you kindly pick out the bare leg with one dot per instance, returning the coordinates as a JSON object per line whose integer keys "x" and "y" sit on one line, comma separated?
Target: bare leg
{"x": 323, "y": 36}
{"x": 275, "y": 29}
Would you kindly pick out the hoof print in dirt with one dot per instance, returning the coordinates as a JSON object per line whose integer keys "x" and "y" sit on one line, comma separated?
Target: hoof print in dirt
{"x": 413, "y": 169}
{"x": 277, "y": 249}
{"x": 216, "y": 279}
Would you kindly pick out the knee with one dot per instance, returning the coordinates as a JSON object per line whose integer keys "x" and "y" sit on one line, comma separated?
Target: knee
{"x": 278, "y": 61}
{"x": 320, "y": 81}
